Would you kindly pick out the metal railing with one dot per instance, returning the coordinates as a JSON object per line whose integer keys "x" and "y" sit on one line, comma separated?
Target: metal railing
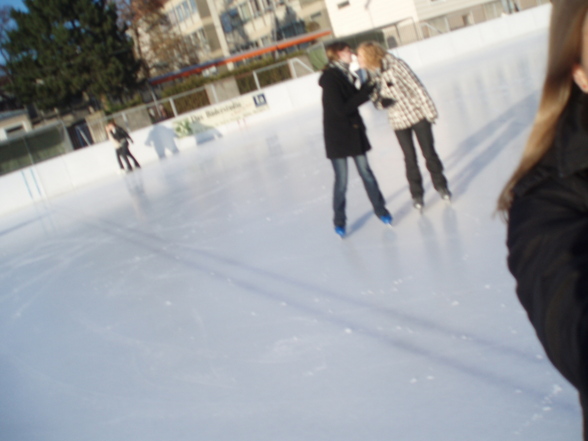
{"x": 139, "y": 117}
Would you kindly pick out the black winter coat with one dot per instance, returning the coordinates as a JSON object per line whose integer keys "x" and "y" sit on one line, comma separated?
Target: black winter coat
{"x": 344, "y": 130}
{"x": 548, "y": 247}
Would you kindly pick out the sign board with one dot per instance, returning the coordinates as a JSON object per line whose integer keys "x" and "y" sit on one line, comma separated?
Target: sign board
{"x": 215, "y": 116}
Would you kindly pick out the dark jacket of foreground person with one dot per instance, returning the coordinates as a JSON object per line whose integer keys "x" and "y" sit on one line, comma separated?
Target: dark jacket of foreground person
{"x": 344, "y": 130}
{"x": 548, "y": 246}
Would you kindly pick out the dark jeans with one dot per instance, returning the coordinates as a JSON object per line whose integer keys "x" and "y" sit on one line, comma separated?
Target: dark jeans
{"x": 424, "y": 135}
{"x": 369, "y": 182}
{"x": 124, "y": 152}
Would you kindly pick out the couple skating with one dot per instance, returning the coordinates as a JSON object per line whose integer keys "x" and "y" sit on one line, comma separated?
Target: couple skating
{"x": 391, "y": 86}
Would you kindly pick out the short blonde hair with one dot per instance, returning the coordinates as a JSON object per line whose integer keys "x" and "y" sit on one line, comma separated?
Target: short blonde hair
{"x": 373, "y": 54}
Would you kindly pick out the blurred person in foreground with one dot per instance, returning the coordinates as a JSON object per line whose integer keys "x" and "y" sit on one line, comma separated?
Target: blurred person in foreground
{"x": 410, "y": 111}
{"x": 545, "y": 203}
{"x": 345, "y": 133}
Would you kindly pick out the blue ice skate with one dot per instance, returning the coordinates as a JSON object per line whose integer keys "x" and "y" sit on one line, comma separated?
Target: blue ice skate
{"x": 340, "y": 231}
{"x": 387, "y": 219}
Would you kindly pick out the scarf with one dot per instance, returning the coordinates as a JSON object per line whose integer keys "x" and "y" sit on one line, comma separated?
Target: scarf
{"x": 344, "y": 67}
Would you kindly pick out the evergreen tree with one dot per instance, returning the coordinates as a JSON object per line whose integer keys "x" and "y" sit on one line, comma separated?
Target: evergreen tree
{"x": 4, "y": 27}
{"x": 61, "y": 50}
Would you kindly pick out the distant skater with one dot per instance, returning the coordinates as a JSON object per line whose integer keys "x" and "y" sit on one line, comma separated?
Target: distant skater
{"x": 345, "y": 133}
{"x": 410, "y": 111}
{"x": 120, "y": 140}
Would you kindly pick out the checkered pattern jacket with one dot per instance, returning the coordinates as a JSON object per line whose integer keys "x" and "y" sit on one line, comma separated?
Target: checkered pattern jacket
{"x": 397, "y": 81}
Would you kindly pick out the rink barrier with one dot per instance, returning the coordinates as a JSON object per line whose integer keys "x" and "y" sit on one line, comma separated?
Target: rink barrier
{"x": 469, "y": 39}
{"x": 82, "y": 167}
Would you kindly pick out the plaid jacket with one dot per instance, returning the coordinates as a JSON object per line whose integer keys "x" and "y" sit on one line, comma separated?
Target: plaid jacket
{"x": 412, "y": 101}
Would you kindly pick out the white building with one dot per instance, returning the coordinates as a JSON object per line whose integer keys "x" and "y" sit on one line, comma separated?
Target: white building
{"x": 222, "y": 27}
{"x": 14, "y": 123}
{"x": 409, "y": 20}
{"x": 219, "y": 28}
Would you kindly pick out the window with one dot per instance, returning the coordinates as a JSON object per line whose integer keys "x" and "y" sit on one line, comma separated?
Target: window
{"x": 244, "y": 11}
{"x": 187, "y": 9}
{"x": 180, "y": 13}
{"x": 255, "y": 7}
{"x": 200, "y": 35}
{"x": 194, "y": 40}
{"x": 14, "y": 131}
{"x": 194, "y": 6}
{"x": 343, "y": 5}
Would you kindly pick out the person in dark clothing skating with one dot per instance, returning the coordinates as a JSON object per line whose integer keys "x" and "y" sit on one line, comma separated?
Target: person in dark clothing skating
{"x": 546, "y": 204}
{"x": 345, "y": 133}
{"x": 120, "y": 140}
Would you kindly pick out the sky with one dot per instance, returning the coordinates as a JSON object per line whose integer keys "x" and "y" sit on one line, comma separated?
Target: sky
{"x": 18, "y": 4}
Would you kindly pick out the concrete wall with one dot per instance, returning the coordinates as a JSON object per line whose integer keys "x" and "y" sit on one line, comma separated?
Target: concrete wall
{"x": 82, "y": 167}
{"x": 428, "y": 9}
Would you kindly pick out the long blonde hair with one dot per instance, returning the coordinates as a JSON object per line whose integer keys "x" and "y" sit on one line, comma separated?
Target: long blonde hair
{"x": 373, "y": 53}
{"x": 565, "y": 46}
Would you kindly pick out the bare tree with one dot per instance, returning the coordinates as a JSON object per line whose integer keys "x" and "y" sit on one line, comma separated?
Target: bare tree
{"x": 157, "y": 44}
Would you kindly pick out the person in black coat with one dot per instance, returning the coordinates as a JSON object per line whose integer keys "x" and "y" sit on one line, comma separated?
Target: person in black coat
{"x": 345, "y": 133}
{"x": 120, "y": 140}
{"x": 546, "y": 204}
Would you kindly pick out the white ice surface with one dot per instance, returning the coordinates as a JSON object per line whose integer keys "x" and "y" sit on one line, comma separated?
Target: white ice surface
{"x": 206, "y": 297}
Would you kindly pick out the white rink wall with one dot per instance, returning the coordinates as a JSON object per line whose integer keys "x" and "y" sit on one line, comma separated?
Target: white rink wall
{"x": 82, "y": 167}
{"x": 460, "y": 42}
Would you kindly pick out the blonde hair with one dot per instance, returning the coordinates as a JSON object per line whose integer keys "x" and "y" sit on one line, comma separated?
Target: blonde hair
{"x": 373, "y": 53}
{"x": 565, "y": 46}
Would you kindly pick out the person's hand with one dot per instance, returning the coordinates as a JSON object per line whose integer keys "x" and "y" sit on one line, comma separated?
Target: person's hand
{"x": 367, "y": 87}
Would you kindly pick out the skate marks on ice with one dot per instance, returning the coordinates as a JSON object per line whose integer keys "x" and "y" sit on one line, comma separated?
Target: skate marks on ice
{"x": 281, "y": 290}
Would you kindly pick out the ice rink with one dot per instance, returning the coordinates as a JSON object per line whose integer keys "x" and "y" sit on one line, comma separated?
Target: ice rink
{"x": 206, "y": 297}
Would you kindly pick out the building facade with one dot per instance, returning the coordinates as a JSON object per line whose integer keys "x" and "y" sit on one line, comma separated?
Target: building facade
{"x": 219, "y": 28}
{"x": 215, "y": 29}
